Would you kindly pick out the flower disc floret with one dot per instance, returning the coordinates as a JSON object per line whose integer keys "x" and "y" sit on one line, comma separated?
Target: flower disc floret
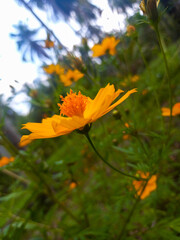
{"x": 73, "y": 104}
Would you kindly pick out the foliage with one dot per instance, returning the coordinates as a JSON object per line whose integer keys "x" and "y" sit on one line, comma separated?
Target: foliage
{"x": 59, "y": 188}
{"x": 26, "y": 42}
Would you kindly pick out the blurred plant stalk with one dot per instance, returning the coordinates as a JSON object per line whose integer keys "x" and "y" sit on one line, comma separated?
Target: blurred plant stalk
{"x": 14, "y": 151}
{"x": 121, "y": 235}
{"x": 42, "y": 23}
{"x": 156, "y": 28}
{"x": 149, "y": 8}
{"x": 107, "y": 163}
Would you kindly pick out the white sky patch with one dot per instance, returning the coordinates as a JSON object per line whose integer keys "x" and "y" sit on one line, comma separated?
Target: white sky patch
{"x": 11, "y": 65}
{"x": 109, "y": 20}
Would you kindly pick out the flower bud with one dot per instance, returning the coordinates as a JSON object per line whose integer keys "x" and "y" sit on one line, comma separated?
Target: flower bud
{"x": 116, "y": 114}
{"x": 130, "y": 30}
{"x": 149, "y": 8}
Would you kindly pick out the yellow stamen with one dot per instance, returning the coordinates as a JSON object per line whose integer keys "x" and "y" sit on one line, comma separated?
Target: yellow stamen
{"x": 73, "y": 104}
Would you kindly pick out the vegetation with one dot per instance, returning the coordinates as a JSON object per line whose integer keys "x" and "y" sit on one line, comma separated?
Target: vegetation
{"x": 89, "y": 170}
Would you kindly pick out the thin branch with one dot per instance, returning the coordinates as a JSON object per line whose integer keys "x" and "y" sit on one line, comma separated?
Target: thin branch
{"x": 42, "y": 23}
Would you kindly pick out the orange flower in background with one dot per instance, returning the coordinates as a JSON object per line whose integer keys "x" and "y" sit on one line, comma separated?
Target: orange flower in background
{"x": 130, "y": 30}
{"x": 49, "y": 43}
{"x": 78, "y": 110}
{"x": 144, "y": 92}
{"x": 126, "y": 136}
{"x": 72, "y": 185}
{"x": 70, "y": 77}
{"x": 5, "y": 160}
{"x": 107, "y": 45}
{"x": 151, "y": 185}
{"x": 126, "y": 125}
{"x": 124, "y": 83}
{"x": 175, "y": 110}
{"x": 135, "y": 78}
{"x": 52, "y": 68}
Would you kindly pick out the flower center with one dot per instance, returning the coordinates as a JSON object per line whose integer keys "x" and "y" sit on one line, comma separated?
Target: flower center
{"x": 73, "y": 104}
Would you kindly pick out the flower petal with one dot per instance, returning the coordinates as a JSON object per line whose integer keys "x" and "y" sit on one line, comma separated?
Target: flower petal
{"x": 101, "y": 102}
{"x": 68, "y": 124}
{"x": 165, "y": 111}
{"x": 97, "y": 50}
{"x": 120, "y": 100}
{"x": 39, "y": 130}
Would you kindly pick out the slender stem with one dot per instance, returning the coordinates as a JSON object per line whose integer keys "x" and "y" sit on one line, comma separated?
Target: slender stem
{"x": 91, "y": 79}
{"x": 150, "y": 74}
{"x": 14, "y": 151}
{"x": 142, "y": 55}
{"x": 10, "y": 147}
{"x": 111, "y": 166}
{"x": 156, "y": 28}
{"x": 51, "y": 194}
{"x": 131, "y": 212}
{"x": 42, "y": 23}
{"x": 142, "y": 145}
{"x": 12, "y": 174}
{"x": 40, "y": 225}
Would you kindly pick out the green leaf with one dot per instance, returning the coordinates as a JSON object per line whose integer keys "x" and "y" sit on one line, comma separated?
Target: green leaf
{"x": 11, "y": 196}
{"x": 175, "y": 225}
{"x": 124, "y": 150}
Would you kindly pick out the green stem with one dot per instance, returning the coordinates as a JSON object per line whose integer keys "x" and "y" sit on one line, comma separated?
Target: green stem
{"x": 131, "y": 212}
{"x": 107, "y": 163}
{"x": 156, "y": 28}
{"x": 9, "y": 146}
{"x": 12, "y": 174}
{"x": 50, "y": 192}
{"x": 91, "y": 78}
{"x": 40, "y": 225}
{"x": 142, "y": 55}
{"x": 142, "y": 145}
{"x": 150, "y": 74}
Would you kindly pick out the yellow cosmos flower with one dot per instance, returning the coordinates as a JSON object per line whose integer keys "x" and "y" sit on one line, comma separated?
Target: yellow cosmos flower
{"x": 108, "y": 45}
{"x": 175, "y": 110}
{"x": 79, "y": 111}
{"x": 139, "y": 185}
{"x": 5, "y": 160}
{"x": 70, "y": 77}
{"x": 52, "y": 68}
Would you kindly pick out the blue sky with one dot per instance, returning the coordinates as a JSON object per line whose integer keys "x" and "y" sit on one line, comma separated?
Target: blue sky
{"x": 11, "y": 65}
